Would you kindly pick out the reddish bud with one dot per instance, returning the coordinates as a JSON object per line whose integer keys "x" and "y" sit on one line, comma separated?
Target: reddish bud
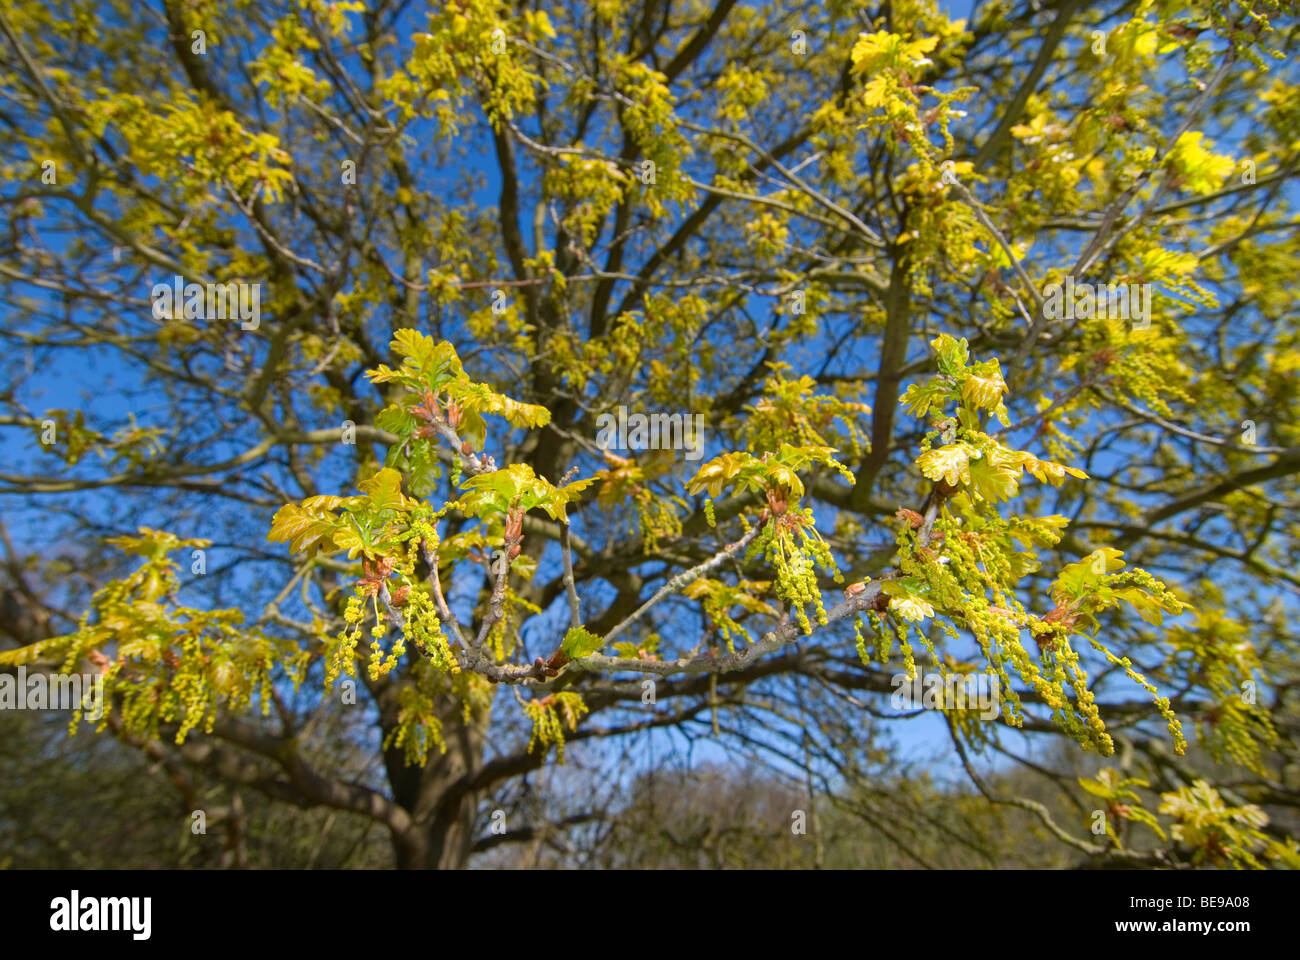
{"x": 913, "y": 518}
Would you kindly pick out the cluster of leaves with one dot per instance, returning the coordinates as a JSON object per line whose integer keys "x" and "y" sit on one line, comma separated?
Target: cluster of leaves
{"x": 1217, "y": 832}
{"x": 195, "y": 145}
{"x": 132, "y": 446}
{"x": 1215, "y": 654}
{"x": 550, "y": 715}
{"x": 72, "y": 438}
{"x": 280, "y": 67}
{"x": 629, "y": 481}
{"x": 791, "y": 412}
{"x": 718, "y": 599}
{"x": 169, "y": 663}
{"x": 894, "y": 97}
{"x": 517, "y": 488}
{"x": 465, "y": 51}
{"x": 788, "y": 539}
{"x": 1123, "y": 802}
{"x": 182, "y": 165}
{"x": 1214, "y": 833}
{"x": 967, "y": 562}
{"x": 391, "y": 532}
{"x": 432, "y": 386}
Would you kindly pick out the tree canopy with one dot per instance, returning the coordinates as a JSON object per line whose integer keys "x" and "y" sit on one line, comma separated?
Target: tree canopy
{"x": 487, "y": 385}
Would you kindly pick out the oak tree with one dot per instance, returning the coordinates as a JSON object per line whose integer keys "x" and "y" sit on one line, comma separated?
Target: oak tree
{"x": 986, "y": 320}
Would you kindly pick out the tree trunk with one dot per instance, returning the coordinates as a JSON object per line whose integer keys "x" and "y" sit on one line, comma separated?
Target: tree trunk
{"x": 443, "y": 828}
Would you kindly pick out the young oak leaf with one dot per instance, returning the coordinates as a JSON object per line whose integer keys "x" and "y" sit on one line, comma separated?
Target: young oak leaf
{"x": 921, "y": 398}
{"x": 1048, "y": 472}
{"x": 984, "y": 385}
{"x": 303, "y": 528}
{"x": 518, "y": 485}
{"x": 435, "y": 362}
{"x": 874, "y": 52}
{"x": 1076, "y": 579}
{"x": 384, "y": 490}
{"x": 747, "y": 472}
{"x": 906, "y": 604}
{"x": 950, "y": 463}
{"x": 476, "y": 399}
{"x": 569, "y": 493}
{"x": 580, "y": 642}
{"x": 153, "y": 544}
{"x": 712, "y": 476}
{"x": 990, "y": 480}
{"x": 953, "y": 355}
{"x": 1149, "y": 608}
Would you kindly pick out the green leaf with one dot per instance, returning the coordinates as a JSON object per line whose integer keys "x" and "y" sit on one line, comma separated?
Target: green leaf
{"x": 325, "y": 502}
{"x": 993, "y": 482}
{"x": 347, "y": 538}
{"x": 555, "y": 504}
{"x": 921, "y": 398}
{"x": 384, "y": 374}
{"x": 31, "y": 652}
{"x": 1097, "y": 788}
{"x": 984, "y": 386}
{"x": 302, "y": 528}
{"x": 384, "y": 490}
{"x": 953, "y": 355}
{"x": 424, "y": 470}
{"x": 413, "y": 344}
{"x": 950, "y": 464}
{"x": 529, "y": 415}
{"x": 580, "y": 642}
{"x": 1146, "y": 817}
{"x": 1075, "y": 578}
{"x": 713, "y": 475}
{"x": 395, "y": 419}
